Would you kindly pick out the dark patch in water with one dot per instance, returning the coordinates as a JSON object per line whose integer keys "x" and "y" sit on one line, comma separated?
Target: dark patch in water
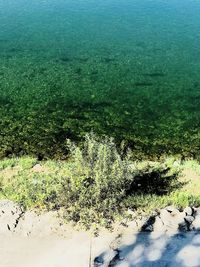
{"x": 140, "y": 44}
{"x": 81, "y": 59}
{"x": 42, "y": 70}
{"x": 8, "y": 56}
{"x": 94, "y": 76}
{"x": 90, "y": 105}
{"x": 65, "y": 59}
{"x": 14, "y": 50}
{"x": 5, "y": 101}
{"x": 78, "y": 71}
{"x": 108, "y": 59}
{"x": 196, "y": 84}
{"x": 143, "y": 84}
{"x": 157, "y": 50}
{"x": 94, "y": 72}
{"x": 154, "y": 75}
{"x": 76, "y": 116}
{"x": 75, "y": 107}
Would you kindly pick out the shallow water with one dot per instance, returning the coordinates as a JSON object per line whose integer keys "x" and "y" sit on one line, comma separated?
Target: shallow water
{"x": 129, "y": 69}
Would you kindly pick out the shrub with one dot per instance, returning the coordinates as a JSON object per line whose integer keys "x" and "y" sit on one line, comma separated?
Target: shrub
{"x": 97, "y": 182}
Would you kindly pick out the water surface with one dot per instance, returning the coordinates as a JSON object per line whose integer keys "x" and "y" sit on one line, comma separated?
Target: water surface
{"x": 129, "y": 69}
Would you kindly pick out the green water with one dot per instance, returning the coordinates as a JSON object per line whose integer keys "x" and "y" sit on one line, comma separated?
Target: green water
{"x": 129, "y": 69}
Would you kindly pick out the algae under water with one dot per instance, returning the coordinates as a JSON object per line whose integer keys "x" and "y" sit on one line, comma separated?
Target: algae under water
{"x": 129, "y": 69}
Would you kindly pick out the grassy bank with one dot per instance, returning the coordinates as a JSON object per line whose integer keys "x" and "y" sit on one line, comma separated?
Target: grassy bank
{"x": 99, "y": 183}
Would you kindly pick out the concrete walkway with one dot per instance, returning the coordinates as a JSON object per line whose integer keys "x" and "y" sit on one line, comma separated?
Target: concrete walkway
{"x": 46, "y": 252}
{"x": 142, "y": 250}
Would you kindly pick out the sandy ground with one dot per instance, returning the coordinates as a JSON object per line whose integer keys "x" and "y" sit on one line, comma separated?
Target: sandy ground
{"x": 141, "y": 249}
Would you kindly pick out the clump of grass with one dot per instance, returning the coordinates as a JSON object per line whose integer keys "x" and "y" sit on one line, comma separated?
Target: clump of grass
{"x": 18, "y": 182}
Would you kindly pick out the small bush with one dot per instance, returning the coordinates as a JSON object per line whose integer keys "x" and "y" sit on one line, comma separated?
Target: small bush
{"x": 97, "y": 182}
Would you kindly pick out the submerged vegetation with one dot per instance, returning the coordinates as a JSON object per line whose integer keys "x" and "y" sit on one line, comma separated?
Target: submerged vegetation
{"x": 41, "y": 109}
{"x": 99, "y": 183}
{"x": 59, "y": 80}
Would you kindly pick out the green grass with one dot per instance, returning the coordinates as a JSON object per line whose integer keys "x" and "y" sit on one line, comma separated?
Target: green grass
{"x": 99, "y": 183}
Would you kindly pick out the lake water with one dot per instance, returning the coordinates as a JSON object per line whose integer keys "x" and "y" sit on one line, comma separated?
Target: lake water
{"x": 125, "y": 68}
